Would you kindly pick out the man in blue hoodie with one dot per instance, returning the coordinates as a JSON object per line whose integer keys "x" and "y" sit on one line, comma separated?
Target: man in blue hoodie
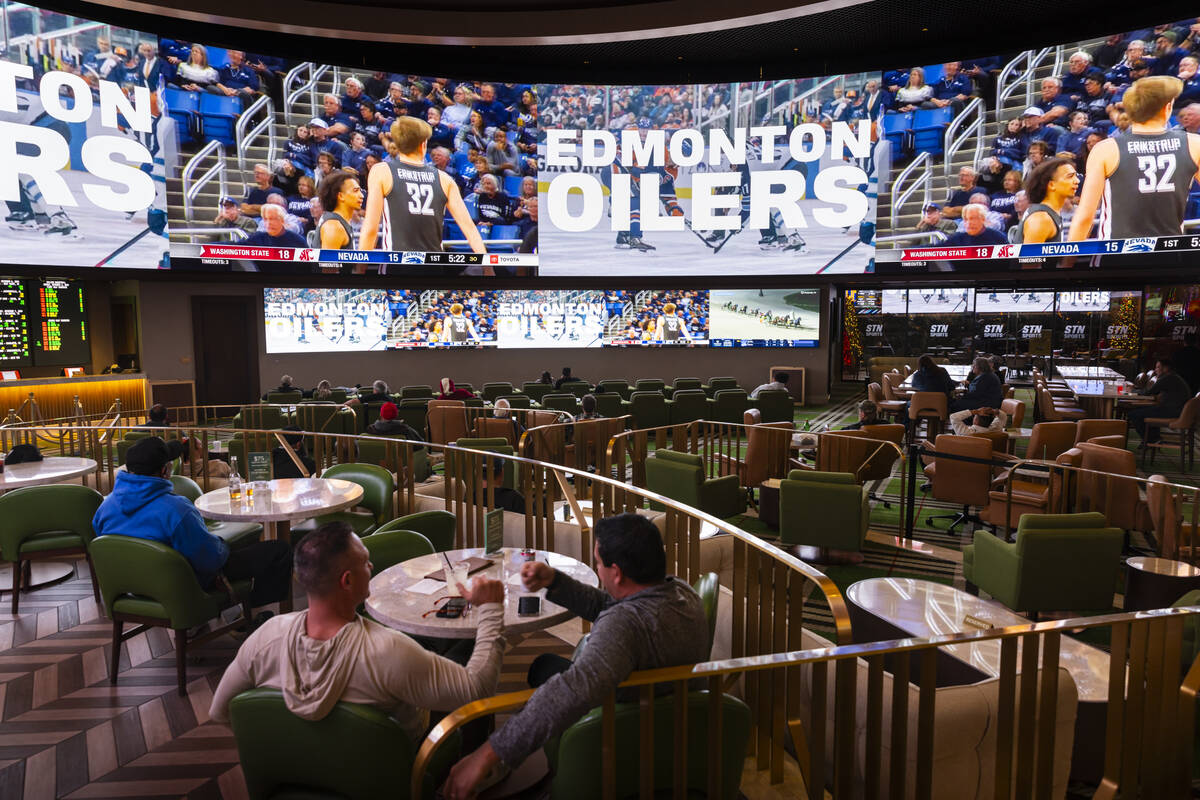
{"x": 143, "y": 505}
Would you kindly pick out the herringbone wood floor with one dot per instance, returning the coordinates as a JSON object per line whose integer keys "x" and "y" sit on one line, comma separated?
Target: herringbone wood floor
{"x": 66, "y": 732}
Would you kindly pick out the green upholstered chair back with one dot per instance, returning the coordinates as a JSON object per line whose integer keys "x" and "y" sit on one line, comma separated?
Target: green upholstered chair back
{"x": 561, "y": 401}
{"x": 337, "y": 395}
{"x": 468, "y": 386}
{"x": 844, "y": 510}
{"x": 320, "y": 418}
{"x": 620, "y": 387}
{"x": 1191, "y": 630}
{"x": 649, "y": 385}
{"x": 576, "y": 761}
{"x": 495, "y": 390}
{"x": 715, "y": 385}
{"x": 376, "y": 482}
{"x": 536, "y": 391}
{"x": 285, "y": 398}
{"x": 436, "y": 526}
{"x": 649, "y": 409}
{"x": 151, "y": 579}
{"x": 413, "y": 413}
{"x": 1067, "y": 562}
{"x": 518, "y": 400}
{"x": 409, "y": 392}
{"x": 260, "y": 417}
{"x": 577, "y": 388}
{"x": 64, "y": 509}
{"x": 388, "y": 548}
{"x": 775, "y": 405}
{"x": 492, "y": 445}
{"x": 686, "y": 384}
{"x": 729, "y": 405}
{"x": 184, "y": 486}
{"x": 688, "y": 405}
{"x": 608, "y": 404}
{"x": 356, "y": 752}
{"x": 708, "y": 586}
{"x": 678, "y": 476}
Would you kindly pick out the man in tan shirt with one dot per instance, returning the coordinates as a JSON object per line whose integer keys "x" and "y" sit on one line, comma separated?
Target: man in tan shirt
{"x": 329, "y": 653}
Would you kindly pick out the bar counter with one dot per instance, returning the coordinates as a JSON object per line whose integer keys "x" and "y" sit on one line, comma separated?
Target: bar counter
{"x": 56, "y": 396}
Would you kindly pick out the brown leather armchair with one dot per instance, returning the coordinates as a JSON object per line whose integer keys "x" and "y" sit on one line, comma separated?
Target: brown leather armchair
{"x": 496, "y": 428}
{"x": 864, "y": 453}
{"x": 447, "y": 421}
{"x": 1176, "y": 537}
{"x": 962, "y": 482}
{"x": 768, "y": 445}
{"x": 1049, "y": 440}
{"x": 932, "y": 407}
{"x": 1053, "y": 412}
{"x": 1118, "y": 498}
{"x": 1014, "y": 410}
{"x": 1088, "y": 429}
{"x": 887, "y": 408}
{"x": 1030, "y": 495}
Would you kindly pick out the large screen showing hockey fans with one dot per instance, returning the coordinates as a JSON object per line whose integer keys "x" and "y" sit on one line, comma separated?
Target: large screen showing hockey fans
{"x": 82, "y": 143}
{"x": 1075, "y": 156}
{"x": 338, "y": 320}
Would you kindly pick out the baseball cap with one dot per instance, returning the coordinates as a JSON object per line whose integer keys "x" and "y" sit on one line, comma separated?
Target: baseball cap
{"x": 317, "y": 122}
{"x": 228, "y": 201}
{"x": 148, "y": 456}
{"x": 1170, "y": 36}
{"x": 1032, "y": 111}
{"x": 932, "y": 207}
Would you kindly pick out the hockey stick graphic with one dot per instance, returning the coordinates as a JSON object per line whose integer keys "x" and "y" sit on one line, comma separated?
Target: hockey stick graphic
{"x": 123, "y": 248}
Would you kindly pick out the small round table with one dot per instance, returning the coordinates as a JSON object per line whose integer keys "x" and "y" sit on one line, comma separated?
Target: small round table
{"x": 1157, "y": 582}
{"x": 54, "y": 469}
{"x": 287, "y": 500}
{"x": 393, "y": 603}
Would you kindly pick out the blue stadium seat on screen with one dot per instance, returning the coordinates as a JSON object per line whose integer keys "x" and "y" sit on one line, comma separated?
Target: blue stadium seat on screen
{"x": 460, "y": 161}
{"x": 217, "y": 56}
{"x": 452, "y": 231}
{"x": 472, "y": 207}
{"x": 928, "y": 127}
{"x": 503, "y": 232}
{"x": 220, "y": 114}
{"x": 1192, "y": 210}
{"x": 895, "y": 129}
{"x": 933, "y": 73}
{"x": 512, "y": 185}
{"x": 184, "y": 108}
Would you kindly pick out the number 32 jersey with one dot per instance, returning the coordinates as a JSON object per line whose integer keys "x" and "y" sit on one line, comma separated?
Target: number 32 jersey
{"x": 1147, "y": 193}
{"x": 414, "y": 209}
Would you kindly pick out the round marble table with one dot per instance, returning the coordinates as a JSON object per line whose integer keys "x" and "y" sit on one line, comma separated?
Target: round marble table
{"x": 286, "y": 500}
{"x": 53, "y": 469}
{"x": 395, "y": 603}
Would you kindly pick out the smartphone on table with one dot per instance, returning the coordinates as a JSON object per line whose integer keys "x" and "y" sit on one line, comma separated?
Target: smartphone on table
{"x": 529, "y": 606}
{"x": 453, "y": 608}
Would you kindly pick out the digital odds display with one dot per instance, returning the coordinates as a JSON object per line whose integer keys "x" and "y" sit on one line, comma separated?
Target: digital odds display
{"x": 43, "y": 323}
{"x": 339, "y": 320}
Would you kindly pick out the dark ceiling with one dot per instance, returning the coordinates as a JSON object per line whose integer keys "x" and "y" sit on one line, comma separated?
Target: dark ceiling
{"x": 626, "y": 40}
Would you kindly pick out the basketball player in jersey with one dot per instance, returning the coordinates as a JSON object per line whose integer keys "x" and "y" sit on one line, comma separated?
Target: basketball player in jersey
{"x": 412, "y": 196}
{"x": 1049, "y": 186}
{"x": 1144, "y": 173}
{"x": 341, "y": 195}
{"x": 670, "y": 327}
{"x": 457, "y": 328}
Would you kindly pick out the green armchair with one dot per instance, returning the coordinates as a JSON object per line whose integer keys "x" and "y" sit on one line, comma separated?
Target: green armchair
{"x": 651, "y": 385}
{"x": 234, "y": 534}
{"x": 561, "y": 401}
{"x": 680, "y": 476}
{"x": 617, "y": 386}
{"x": 575, "y": 760}
{"x": 436, "y": 526}
{"x": 285, "y": 398}
{"x": 689, "y": 405}
{"x": 497, "y": 389}
{"x": 577, "y": 388}
{"x": 536, "y": 391}
{"x": 715, "y": 385}
{"x": 684, "y": 384}
{"x": 825, "y": 510}
{"x": 377, "y": 484}
{"x": 40, "y": 522}
{"x": 413, "y": 392}
{"x": 150, "y": 584}
{"x": 608, "y": 404}
{"x": 775, "y": 404}
{"x": 1058, "y": 562}
{"x": 729, "y": 405}
{"x": 388, "y": 548}
{"x": 517, "y": 400}
{"x": 259, "y": 418}
{"x": 648, "y": 409}
{"x": 356, "y": 752}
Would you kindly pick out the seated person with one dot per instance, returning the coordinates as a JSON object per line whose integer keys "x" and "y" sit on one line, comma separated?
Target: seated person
{"x": 930, "y": 377}
{"x": 1171, "y": 393}
{"x": 505, "y": 498}
{"x": 282, "y": 465}
{"x": 285, "y": 385}
{"x": 449, "y": 392}
{"x": 975, "y": 231}
{"x": 978, "y": 420}
{"x": 503, "y": 410}
{"x": 328, "y": 653}
{"x": 868, "y": 414}
{"x": 389, "y": 424}
{"x": 274, "y": 234}
{"x": 985, "y": 389}
{"x": 379, "y": 394}
{"x": 588, "y": 403}
{"x": 779, "y": 381}
{"x": 157, "y": 417}
{"x": 143, "y": 505}
{"x": 642, "y": 619}
{"x": 196, "y": 467}
{"x": 567, "y": 377}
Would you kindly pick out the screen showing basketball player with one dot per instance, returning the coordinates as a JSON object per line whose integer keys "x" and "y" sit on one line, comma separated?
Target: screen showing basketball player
{"x": 83, "y": 145}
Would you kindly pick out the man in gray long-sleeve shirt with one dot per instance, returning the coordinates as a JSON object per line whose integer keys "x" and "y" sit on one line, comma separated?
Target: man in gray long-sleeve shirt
{"x": 643, "y": 620}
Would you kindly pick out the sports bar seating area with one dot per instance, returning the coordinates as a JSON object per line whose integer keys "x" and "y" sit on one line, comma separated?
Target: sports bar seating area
{"x": 677, "y": 401}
